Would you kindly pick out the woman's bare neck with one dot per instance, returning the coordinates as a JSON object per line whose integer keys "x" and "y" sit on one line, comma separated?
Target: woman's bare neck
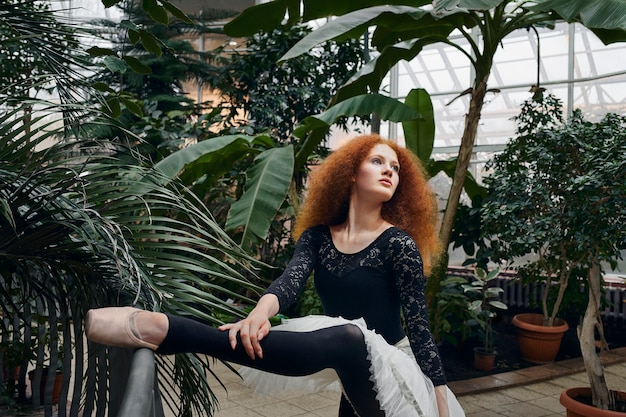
{"x": 355, "y": 234}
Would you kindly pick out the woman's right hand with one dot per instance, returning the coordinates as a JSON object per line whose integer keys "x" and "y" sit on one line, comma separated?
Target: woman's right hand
{"x": 253, "y": 328}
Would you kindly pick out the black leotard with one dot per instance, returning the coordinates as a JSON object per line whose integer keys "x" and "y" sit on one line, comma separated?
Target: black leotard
{"x": 376, "y": 283}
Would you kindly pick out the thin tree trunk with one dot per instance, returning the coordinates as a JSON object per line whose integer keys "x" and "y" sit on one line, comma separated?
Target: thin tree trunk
{"x": 465, "y": 153}
{"x": 375, "y": 124}
{"x": 586, "y": 336}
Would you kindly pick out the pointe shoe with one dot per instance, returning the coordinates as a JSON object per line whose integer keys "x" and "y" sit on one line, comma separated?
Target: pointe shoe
{"x": 115, "y": 326}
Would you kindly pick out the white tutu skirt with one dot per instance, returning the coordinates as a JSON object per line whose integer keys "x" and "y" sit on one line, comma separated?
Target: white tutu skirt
{"x": 401, "y": 388}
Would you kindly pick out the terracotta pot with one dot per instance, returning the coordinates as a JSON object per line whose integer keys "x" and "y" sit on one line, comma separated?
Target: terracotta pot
{"x": 538, "y": 343}
{"x": 15, "y": 376}
{"x": 56, "y": 388}
{"x": 576, "y": 408}
{"x": 484, "y": 359}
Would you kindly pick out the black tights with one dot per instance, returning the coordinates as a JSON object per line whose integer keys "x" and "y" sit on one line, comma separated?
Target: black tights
{"x": 345, "y": 408}
{"x": 341, "y": 348}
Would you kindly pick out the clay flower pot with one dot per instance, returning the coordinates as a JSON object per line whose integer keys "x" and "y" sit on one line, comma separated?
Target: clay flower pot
{"x": 538, "y": 343}
{"x": 576, "y": 408}
{"x": 56, "y": 390}
{"x": 484, "y": 359}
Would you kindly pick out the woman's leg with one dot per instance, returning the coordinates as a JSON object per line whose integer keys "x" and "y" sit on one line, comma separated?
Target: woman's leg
{"x": 345, "y": 408}
{"x": 288, "y": 353}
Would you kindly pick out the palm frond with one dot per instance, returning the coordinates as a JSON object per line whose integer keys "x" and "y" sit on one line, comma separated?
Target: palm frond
{"x": 86, "y": 223}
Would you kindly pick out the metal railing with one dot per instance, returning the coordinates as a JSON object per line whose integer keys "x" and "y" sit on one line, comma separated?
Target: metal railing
{"x": 141, "y": 396}
{"x": 517, "y": 294}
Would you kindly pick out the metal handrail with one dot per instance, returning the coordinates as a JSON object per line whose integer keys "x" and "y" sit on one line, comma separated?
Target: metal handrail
{"x": 141, "y": 396}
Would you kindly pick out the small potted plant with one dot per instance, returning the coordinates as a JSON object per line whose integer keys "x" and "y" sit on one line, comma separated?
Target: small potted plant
{"x": 11, "y": 353}
{"x": 450, "y": 313}
{"x": 482, "y": 310}
{"x": 15, "y": 355}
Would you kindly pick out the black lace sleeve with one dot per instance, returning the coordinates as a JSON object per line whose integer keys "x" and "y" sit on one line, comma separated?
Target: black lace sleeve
{"x": 409, "y": 276}
{"x": 291, "y": 282}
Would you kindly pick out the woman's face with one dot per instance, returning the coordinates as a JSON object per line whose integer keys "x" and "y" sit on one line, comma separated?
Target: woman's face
{"x": 378, "y": 174}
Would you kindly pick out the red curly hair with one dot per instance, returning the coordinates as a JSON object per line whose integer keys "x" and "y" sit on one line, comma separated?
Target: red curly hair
{"x": 413, "y": 207}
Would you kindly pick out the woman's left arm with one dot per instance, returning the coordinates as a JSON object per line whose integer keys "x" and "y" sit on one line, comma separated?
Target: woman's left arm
{"x": 410, "y": 281}
{"x": 441, "y": 394}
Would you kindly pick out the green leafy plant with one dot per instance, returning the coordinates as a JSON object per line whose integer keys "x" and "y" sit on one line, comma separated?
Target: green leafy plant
{"x": 450, "y": 313}
{"x": 524, "y": 204}
{"x": 486, "y": 295}
{"x": 142, "y": 77}
{"x": 557, "y": 194}
{"x": 15, "y": 354}
{"x": 275, "y": 98}
{"x": 468, "y": 235}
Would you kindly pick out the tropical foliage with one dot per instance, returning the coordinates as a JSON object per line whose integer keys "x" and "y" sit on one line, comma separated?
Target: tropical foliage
{"x": 262, "y": 98}
{"x": 85, "y": 223}
{"x": 467, "y": 234}
{"x": 155, "y": 106}
{"x": 450, "y": 313}
{"x": 274, "y": 98}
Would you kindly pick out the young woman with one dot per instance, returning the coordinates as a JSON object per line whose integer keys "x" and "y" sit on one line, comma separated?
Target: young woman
{"x": 367, "y": 230}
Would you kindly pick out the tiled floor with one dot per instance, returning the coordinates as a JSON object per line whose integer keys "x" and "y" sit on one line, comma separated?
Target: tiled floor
{"x": 538, "y": 399}
{"x": 239, "y": 401}
{"x": 530, "y": 392}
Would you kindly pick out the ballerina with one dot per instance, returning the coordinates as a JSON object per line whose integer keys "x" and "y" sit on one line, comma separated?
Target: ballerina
{"x": 367, "y": 230}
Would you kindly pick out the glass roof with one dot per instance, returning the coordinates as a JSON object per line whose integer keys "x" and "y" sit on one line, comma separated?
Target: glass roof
{"x": 569, "y": 53}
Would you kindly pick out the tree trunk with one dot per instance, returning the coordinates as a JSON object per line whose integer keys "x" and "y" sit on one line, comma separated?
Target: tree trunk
{"x": 375, "y": 124}
{"x": 465, "y": 153}
{"x": 586, "y": 336}
{"x": 472, "y": 118}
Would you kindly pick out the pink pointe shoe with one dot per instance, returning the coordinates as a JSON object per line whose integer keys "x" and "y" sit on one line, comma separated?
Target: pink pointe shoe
{"x": 115, "y": 326}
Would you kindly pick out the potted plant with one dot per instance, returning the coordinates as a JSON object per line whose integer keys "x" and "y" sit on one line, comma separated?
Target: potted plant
{"x": 450, "y": 313}
{"x": 15, "y": 354}
{"x": 523, "y": 209}
{"x": 482, "y": 313}
{"x": 11, "y": 360}
{"x": 561, "y": 190}
{"x": 10, "y": 364}
{"x": 41, "y": 375}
